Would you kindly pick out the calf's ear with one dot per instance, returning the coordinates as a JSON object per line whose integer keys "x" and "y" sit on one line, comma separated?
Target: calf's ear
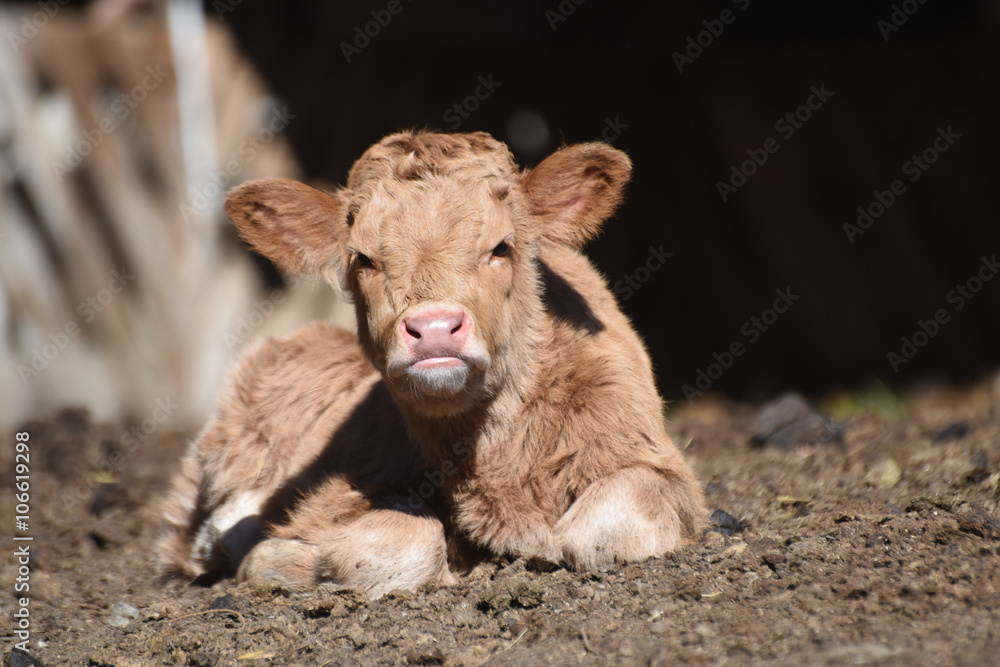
{"x": 297, "y": 227}
{"x": 574, "y": 190}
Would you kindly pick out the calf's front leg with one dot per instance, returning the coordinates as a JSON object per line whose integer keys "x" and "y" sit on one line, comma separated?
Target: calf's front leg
{"x": 339, "y": 537}
{"x": 629, "y": 515}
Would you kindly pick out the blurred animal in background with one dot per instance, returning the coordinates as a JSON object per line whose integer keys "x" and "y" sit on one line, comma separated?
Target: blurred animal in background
{"x": 495, "y": 398}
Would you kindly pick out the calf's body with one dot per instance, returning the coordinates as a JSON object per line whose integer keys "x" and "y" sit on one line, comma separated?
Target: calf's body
{"x": 494, "y": 400}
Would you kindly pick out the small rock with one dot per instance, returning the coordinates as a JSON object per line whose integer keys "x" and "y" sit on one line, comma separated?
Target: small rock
{"x": 884, "y": 475}
{"x": 19, "y": 658}
{"x": 955, "y": 431}
{"x": 125, "y": 609}
{"x": 117, "y": 621}
{"x": 790, "y": 421}
{"x": 223, "y": 602}
{"x": 725, "y": 523}
{"x": 121, "y": 615}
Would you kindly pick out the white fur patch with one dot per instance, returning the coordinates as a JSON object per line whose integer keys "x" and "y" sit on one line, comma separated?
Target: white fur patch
{"x": 226, "y": 528}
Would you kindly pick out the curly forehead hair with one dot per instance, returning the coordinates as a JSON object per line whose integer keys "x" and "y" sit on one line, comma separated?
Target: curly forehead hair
{"x": 414, "y": 156}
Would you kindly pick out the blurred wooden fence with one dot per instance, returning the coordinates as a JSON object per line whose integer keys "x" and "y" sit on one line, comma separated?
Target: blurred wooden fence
{"x": 122, "y": 286}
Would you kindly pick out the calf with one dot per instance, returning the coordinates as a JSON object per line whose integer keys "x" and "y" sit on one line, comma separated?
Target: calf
{"x": 494, "y": 401}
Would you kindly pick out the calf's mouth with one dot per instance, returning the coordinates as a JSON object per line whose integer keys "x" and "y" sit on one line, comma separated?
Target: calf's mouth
{"x": 437, "y": 350}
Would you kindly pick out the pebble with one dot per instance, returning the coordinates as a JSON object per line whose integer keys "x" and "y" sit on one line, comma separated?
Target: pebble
{"x": 223, "y": 602}
{"x": 790, "y": 421}
{"x": 884, "y": 475}
{"x": 955, "y": 431}
{"x": 125, "y": 609}
{"x": 117, "y": 621}
{"x": 121, "y": 613}
{"x": 725, "y": 523}
{"x": 19, "y": 658}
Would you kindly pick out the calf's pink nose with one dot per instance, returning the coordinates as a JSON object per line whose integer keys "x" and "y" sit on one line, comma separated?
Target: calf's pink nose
{"x": 436, "y": 333}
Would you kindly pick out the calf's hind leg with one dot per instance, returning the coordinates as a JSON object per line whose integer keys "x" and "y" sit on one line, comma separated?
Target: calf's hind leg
{"x": 338, "y": 536}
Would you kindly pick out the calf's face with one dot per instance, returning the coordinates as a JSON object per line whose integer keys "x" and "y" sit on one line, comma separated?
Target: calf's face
{"x": 442, "y": 277}
{"x": 436, "y": 237}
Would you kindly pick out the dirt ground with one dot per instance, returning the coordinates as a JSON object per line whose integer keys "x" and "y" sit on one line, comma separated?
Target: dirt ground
{"x": 877, "y": 543}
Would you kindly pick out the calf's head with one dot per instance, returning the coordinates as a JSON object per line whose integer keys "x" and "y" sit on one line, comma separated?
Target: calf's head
{"x": 435, "y": 237}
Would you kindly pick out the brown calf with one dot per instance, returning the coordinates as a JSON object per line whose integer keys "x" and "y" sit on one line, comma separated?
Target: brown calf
{"x": 495, "y": 399}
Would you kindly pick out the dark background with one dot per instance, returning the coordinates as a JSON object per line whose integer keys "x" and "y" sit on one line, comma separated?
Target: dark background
{"x": 782, "y": 229}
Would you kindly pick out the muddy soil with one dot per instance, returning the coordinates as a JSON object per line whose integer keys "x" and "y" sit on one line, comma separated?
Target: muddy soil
{"x": 876, "y": 543}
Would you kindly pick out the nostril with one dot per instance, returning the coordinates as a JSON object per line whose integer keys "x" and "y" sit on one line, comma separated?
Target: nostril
{"x": 432, "y": 329}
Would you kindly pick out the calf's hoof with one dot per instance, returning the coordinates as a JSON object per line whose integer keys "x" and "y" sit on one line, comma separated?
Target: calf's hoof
{"x": 289, "y": 564}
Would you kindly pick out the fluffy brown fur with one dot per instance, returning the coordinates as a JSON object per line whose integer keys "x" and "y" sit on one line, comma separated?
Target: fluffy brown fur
{"x": 332, "y": 458}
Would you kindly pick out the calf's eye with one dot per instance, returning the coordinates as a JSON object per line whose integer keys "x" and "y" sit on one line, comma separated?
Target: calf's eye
{"x": 363, "y": 260}
{"x": 502, "y": 249}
